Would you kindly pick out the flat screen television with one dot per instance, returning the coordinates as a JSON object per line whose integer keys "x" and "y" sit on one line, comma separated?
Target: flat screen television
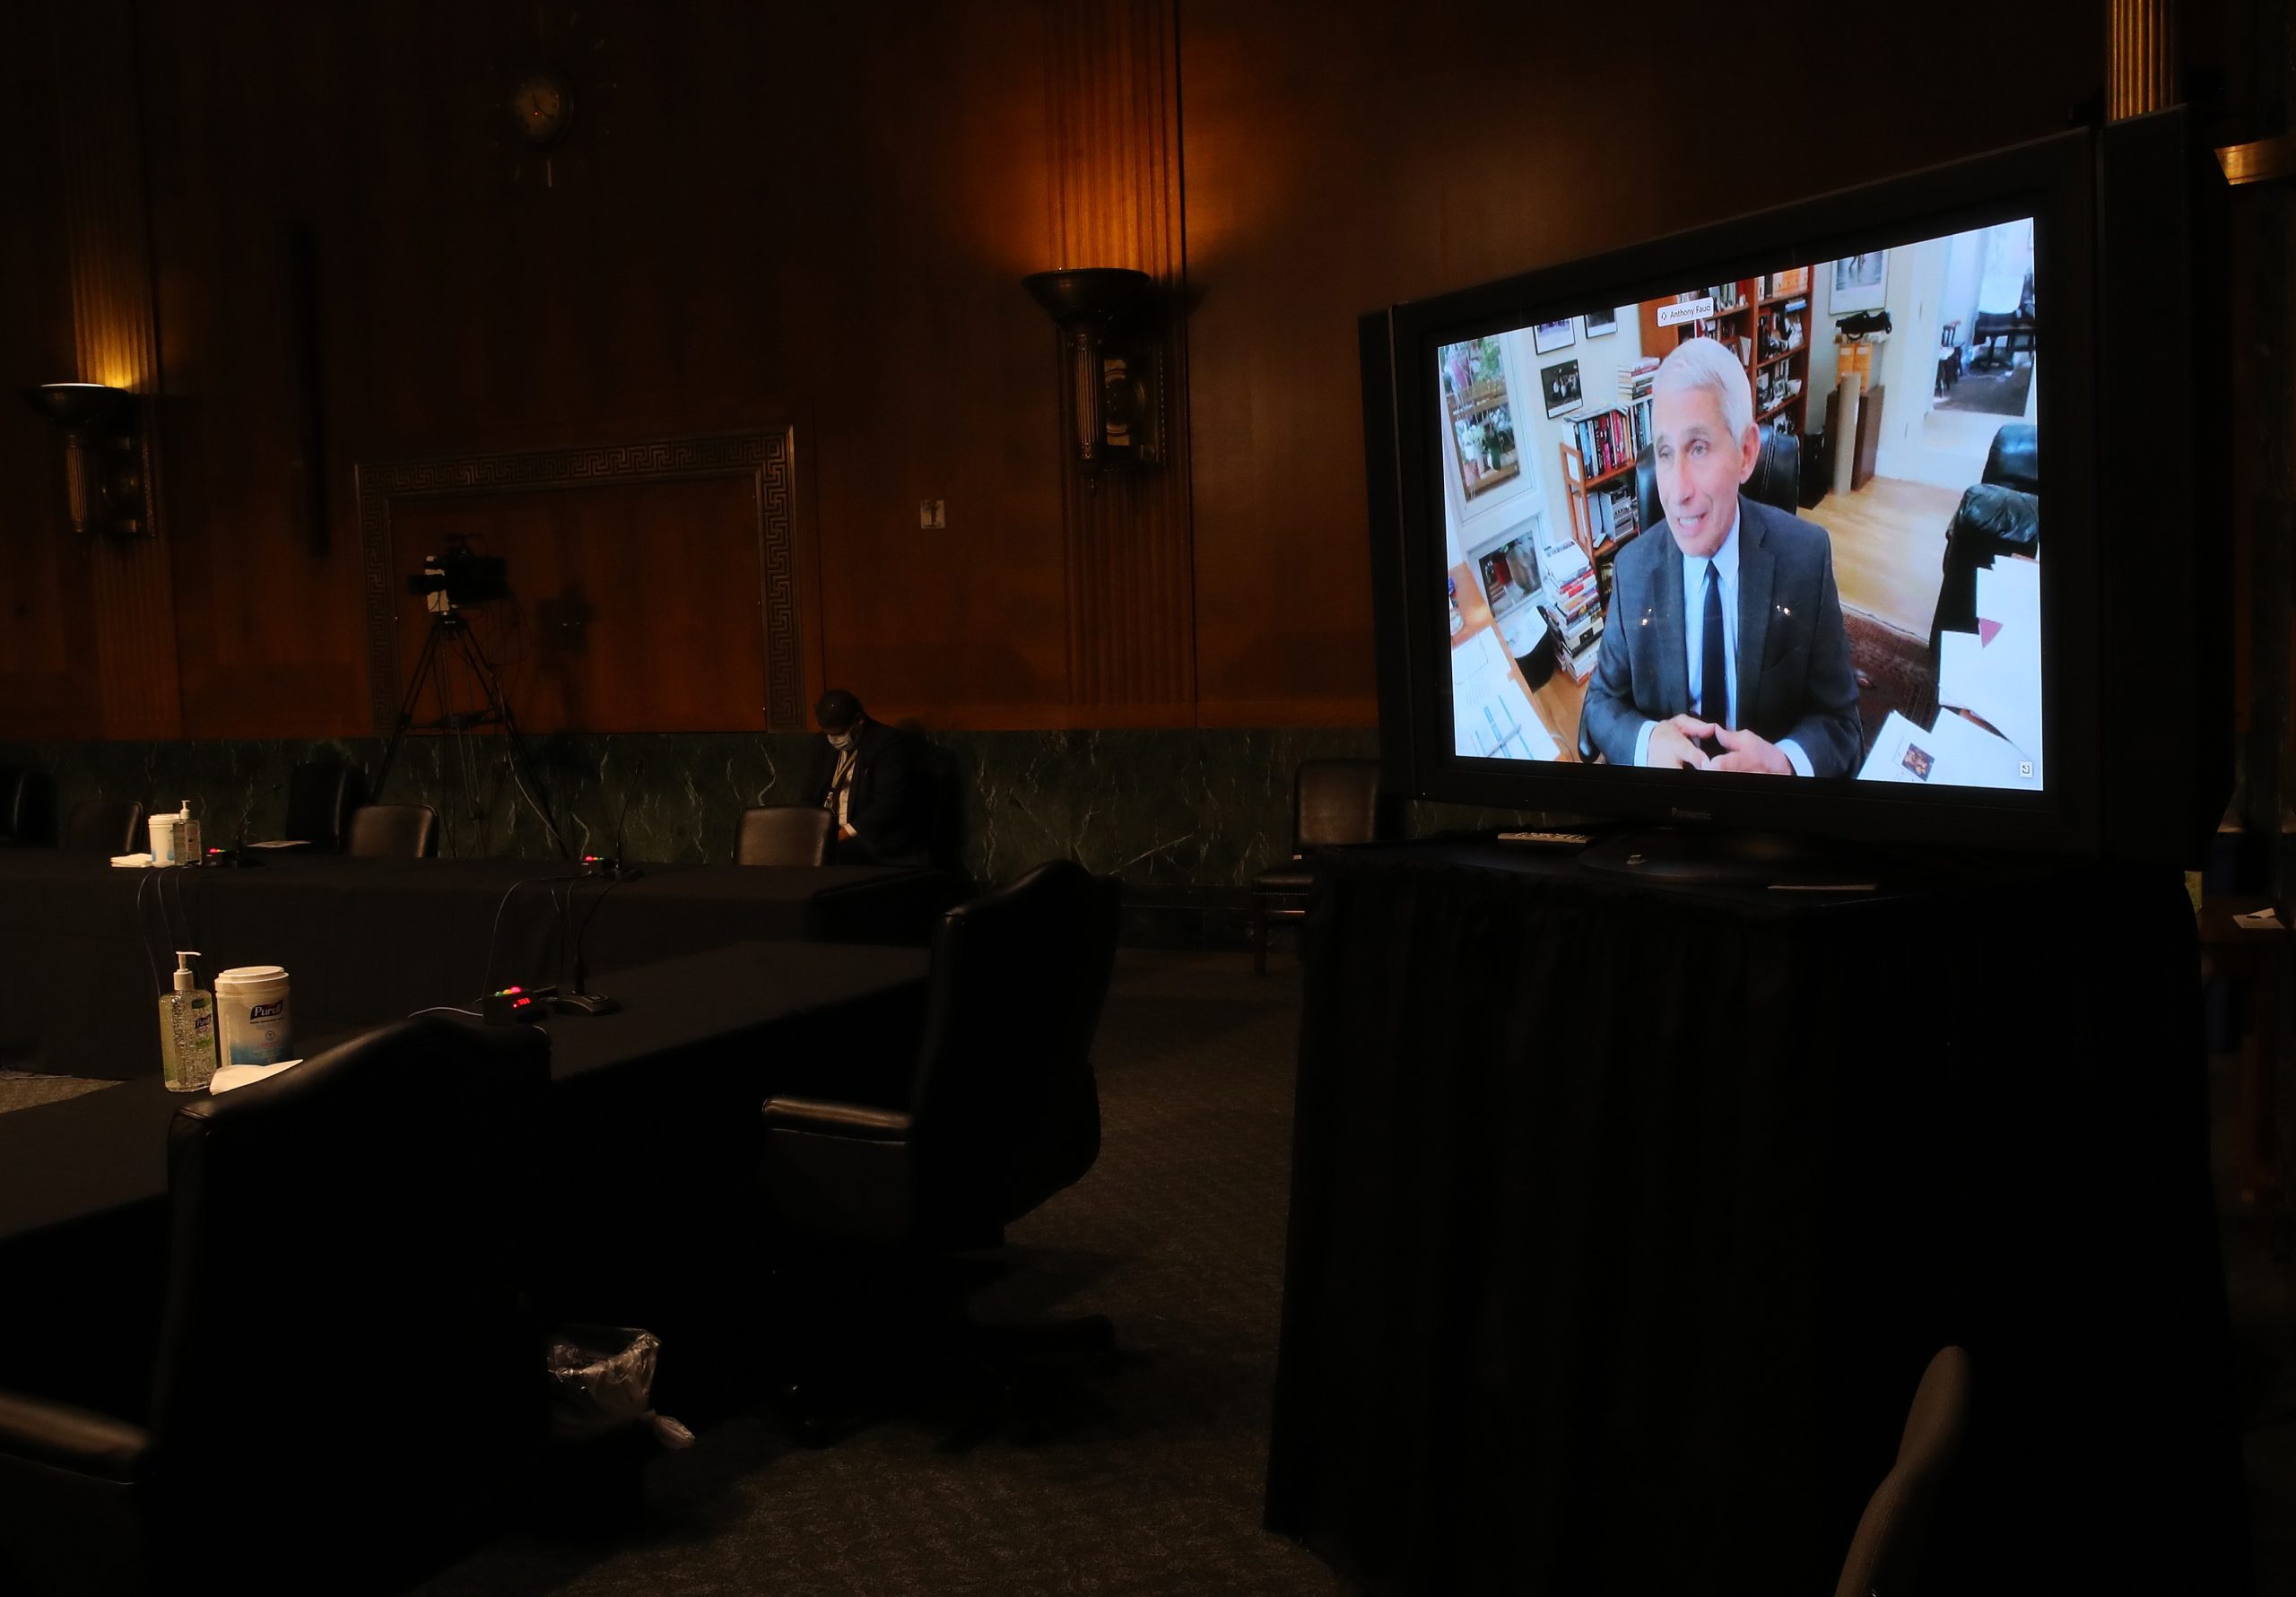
{"x": 1829, "y": 521}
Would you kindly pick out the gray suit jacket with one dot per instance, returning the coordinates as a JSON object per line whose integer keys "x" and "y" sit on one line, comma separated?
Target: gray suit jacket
{"x": 1795, "y": 676}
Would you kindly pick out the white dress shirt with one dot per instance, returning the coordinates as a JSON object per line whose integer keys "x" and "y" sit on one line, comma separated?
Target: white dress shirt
{"x": 1724, "y": 563}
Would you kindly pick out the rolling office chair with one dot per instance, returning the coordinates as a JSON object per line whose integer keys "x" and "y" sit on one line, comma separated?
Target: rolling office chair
{"x": 392, "y": 831}
{"x": 321, "y": 794}
{"x": 101, "y": 828}
{"x": 27, "y": 808}
{"x": 1001, "y": 1112}
{"x": 782, "y": 835}
{"x": 1776, "y": 481}
{"x": 345, "y": 1361}
{"x": 1885, "y": 1553}
{"x": 1333, "y": 802}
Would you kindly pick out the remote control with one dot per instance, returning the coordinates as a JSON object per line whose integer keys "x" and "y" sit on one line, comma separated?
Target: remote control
{"x": 1548, "y": 839}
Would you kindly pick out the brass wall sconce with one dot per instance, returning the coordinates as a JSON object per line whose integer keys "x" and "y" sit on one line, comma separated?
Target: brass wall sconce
{"x": 1109, "y": 325}
{"x": 106, "y": 459}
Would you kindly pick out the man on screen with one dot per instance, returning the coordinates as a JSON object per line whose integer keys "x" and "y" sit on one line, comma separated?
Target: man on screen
{"x": 1723, "y": 649}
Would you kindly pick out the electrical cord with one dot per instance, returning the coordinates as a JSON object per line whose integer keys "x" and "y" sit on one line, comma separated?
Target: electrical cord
{"x": 494, "y": 937}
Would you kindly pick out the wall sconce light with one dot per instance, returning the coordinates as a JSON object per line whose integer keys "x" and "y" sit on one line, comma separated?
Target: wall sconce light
{"x": 1109, "y": 327}
{"x": 105, "y": 466}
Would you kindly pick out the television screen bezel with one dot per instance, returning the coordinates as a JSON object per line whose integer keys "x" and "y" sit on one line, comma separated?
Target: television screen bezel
{"x": 2050, "y": 180}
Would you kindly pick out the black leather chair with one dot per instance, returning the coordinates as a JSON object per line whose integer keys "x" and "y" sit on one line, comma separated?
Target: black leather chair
{"x": 321, "y": 794}
{"x": 1333, "y": 802}
{"x": 1000, "y": 1112}
{"x": 14, "y": 783}
{"x": 2001, "y": 514}
{"x": 782, "y": 835}
{"x": 100, "y": 828}
{"x": 346, "y": 1375}
{"x": 27, "y": 808}
{"x": 1885, "y": 1553}
{"x": 392, "y": 831}
{"x": 1776, "y": 481}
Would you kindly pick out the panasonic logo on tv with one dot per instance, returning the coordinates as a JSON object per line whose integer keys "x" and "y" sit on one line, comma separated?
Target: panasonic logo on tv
{"x": 1693, "y": 814}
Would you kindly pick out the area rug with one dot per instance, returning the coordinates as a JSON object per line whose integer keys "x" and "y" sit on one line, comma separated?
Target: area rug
{"x": 1991, "y": 393}
{"x": 1893, "y": 673}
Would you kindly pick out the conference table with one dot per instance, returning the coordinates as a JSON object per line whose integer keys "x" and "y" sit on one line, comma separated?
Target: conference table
{"x": 87, "y": 947}
{"x": 647, "y": 1212}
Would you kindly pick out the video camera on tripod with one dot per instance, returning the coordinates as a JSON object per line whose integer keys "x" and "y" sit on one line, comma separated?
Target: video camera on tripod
{"x": 459, "y": 577}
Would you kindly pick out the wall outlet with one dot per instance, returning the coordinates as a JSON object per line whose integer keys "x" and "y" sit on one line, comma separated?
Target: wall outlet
{"x": 931, "y": 514}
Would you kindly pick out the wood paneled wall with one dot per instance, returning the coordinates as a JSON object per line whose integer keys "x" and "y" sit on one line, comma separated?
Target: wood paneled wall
{"x": 816, "y": 217}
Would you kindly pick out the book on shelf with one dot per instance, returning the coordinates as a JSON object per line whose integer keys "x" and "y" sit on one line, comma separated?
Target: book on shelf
{"x": 1605, "y": 441}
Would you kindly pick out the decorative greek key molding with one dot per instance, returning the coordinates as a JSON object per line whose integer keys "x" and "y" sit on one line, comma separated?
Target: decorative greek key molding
{"x": 763, "y": 457}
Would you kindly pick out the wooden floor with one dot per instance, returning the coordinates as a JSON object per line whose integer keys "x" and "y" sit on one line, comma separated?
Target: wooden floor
{"x": 1889, "y": 548}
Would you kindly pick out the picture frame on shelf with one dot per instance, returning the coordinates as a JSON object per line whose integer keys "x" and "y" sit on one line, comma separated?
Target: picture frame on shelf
{"x": 1550, "y": 336}
{"x": 1601, "y": 323}
{"x": 1559, "y": 384}
{"x": 1858, "y": 282}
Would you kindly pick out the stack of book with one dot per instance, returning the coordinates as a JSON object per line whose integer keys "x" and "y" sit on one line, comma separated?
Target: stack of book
{"x": 1574, "y": 610}
{"x": 1622, "y": 523}
{"x": 1634, "y": 391}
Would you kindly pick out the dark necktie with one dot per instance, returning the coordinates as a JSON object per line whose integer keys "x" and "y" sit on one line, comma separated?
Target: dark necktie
{"x": 1714, "y": 674}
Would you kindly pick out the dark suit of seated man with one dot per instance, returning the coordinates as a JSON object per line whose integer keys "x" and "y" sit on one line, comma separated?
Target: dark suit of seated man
{"x": 1723, "y": 649}
{"x": 863, "y": 775}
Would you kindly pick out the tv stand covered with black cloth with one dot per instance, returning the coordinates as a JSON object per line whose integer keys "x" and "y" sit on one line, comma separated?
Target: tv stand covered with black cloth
{"x": 1625, "y": 1218}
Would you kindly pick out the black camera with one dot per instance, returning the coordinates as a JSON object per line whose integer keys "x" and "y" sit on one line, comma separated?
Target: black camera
{"x": 459, "y": 577}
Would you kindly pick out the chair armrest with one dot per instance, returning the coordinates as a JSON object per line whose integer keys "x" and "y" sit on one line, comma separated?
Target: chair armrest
{"x": 38, "y": 1431}
{"x": 864, "y": 1122}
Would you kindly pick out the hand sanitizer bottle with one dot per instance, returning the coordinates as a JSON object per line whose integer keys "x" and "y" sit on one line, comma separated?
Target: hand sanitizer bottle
{"x": 187, "y": 1031}
{"x": 187, "y": 849}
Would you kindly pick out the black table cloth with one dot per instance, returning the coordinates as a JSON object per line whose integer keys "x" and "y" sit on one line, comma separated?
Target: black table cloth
{"x": 647, "y": 1212}
{"x": 1624, "y": 1219}
{"x": 86, "y": 948}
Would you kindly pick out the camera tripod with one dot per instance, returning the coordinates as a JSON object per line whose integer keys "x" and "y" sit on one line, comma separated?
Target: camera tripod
{"x": 450, "y": 638}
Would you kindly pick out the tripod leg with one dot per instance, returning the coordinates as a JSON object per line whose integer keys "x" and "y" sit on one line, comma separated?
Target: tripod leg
{"x": 425, "y": 663}
{"x": 522, "y": 767}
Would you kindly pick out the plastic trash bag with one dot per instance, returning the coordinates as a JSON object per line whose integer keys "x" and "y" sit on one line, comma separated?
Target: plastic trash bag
{"x": 601, "y": 1378}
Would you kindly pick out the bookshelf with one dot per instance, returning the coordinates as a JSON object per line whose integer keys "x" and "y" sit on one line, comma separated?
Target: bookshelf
{"x": 1766, "y": 320}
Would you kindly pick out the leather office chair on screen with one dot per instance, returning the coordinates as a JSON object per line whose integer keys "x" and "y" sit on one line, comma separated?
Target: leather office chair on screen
{"x": 321, "y": 794}
{"x": 1001, "y": 1113}
{"x": 1333, "y": 802}
{"x": 346, "y": 1375}
{"x": 392, "y": 831}
{"x": 782, "y": 835}
{"x": 101, "y": 828}
{"x": 1776, "y": 481}
{"x": 1885, "y": 1553}
{"x": 2001, "y": 514}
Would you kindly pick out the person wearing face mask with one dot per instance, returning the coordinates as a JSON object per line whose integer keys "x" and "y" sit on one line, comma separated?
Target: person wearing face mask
{"x": 1723, "y": 649}
{"x": 862, "y": 774}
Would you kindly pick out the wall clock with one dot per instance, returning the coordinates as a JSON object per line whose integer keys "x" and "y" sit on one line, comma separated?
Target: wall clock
{"x": 542, "y": 107}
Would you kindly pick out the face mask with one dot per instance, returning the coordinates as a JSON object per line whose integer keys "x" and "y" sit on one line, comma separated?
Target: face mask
{"x": 840, "y": 740}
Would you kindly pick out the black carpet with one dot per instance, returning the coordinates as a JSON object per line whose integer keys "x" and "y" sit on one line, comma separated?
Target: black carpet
{"x": 1178, "y": 1233}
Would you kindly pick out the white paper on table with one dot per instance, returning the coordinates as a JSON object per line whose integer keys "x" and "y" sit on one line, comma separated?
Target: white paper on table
{"x": 2000, "y": 681}
{"x": 1954, "y": 753}
{"x": 2009, "y": 591}
{"x": 1491, "y": 716}
{"x": 229, "y": 1076}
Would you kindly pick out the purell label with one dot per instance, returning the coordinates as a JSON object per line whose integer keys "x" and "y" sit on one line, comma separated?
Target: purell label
{"x": 267, "y": 1012}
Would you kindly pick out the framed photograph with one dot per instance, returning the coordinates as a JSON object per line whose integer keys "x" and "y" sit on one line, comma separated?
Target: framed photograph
{"x": 1858, "y": 282}
{"x": 1561, "y": 384}
{"x": 1550, "y": 336}
{"x": 1601, "y": 323}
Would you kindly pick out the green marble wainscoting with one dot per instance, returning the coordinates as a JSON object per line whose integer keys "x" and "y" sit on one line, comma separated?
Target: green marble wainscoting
{"x": 1186, "y": 818}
